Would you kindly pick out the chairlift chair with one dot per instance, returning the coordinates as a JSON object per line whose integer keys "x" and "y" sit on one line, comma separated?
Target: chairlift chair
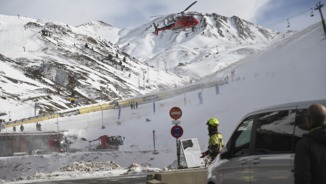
{"x": 312, "y": 13}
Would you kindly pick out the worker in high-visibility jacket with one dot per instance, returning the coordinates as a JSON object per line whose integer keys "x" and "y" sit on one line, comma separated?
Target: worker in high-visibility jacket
{"x": 215, "y": 142}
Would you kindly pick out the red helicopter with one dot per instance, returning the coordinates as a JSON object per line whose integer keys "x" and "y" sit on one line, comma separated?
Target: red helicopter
{"x": 184, "y": 21}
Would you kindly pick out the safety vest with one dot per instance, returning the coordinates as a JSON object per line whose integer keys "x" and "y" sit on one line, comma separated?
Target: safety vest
{"x": 216, "y": 139}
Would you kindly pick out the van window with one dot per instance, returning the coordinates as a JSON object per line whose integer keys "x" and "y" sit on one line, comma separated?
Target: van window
{"x": 274, "y": 133}
{"x": 301, "y": 126}
{"x": 241, "y": 139}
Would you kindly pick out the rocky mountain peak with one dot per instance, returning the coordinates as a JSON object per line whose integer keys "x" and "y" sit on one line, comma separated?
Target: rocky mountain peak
{"x": 95, "y": 61}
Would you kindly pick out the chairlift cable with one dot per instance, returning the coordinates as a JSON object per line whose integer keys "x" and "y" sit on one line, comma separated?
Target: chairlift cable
{"x": 278, "y": 22}
{"x": 282, "y": 20}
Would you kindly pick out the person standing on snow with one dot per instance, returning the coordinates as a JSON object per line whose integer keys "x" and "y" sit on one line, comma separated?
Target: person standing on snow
{"x": 310, "y": 152}
{"x": 21, "y": 128}
{"x": 215, "y": 142}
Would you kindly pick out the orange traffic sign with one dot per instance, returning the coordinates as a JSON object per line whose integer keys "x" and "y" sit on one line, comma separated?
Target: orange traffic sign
{"x": 175, "y": 113}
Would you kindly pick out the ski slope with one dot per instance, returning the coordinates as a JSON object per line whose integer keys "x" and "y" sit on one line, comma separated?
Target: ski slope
{"x": 290, "y": 70}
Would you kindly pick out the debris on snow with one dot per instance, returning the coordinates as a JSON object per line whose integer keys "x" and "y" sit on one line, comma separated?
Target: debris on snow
{"x": 90, "y": 166}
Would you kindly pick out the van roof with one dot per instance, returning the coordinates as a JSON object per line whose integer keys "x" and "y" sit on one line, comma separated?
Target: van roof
{"x": 292, "y": 105}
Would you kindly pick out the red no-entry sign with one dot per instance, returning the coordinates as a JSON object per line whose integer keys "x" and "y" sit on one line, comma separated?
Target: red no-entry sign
{"x": 175, "y": 113}
{"x": 176, "y": 131}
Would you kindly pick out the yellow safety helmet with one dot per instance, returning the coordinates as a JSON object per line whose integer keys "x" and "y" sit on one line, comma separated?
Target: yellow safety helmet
{"x": 213, "y": 122}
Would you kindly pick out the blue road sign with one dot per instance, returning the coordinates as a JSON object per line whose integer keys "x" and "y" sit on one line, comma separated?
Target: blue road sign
{"x": 176, "y": 131}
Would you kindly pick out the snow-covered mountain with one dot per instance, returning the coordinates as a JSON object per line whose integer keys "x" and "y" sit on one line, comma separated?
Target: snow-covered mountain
{"x": 216, "y": 42}
{"x": 288, "y": 71}
{"x": 49, "y": 62}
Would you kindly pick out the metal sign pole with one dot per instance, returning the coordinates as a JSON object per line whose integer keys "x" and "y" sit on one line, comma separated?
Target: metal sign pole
{"x": 176, "y": 130}
{"x": 178, "y": 151}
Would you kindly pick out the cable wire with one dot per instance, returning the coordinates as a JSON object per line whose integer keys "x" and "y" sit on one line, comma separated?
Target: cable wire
{"x": 286, "y": 20}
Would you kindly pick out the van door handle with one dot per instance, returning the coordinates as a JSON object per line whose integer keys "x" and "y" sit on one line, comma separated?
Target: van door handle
{"x": 255, "y": 161}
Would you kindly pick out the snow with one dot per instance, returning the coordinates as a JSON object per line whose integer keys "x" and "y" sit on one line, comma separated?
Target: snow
{"x": 207, "y": 44}
{"x": 290, "y": 70}
{"x": 23, "y": 46}
{"x": 108, "y": 33}
{"x": 77, "y": 168}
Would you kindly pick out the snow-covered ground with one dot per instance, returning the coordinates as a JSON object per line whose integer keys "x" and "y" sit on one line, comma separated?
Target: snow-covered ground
{"x": 290, "y": 70}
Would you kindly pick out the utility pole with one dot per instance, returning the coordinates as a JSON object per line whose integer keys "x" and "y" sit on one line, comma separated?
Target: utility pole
{"x": 35, "y": 105}
{"x": 319, "y": 5}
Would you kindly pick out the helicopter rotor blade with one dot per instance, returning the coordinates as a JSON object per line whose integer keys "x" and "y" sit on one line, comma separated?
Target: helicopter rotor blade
{"x": 155, "y": 16}
{"x": 189, "y": 6}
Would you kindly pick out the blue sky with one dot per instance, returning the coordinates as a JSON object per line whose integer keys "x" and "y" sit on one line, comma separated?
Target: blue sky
{"x": 131, "y": 13}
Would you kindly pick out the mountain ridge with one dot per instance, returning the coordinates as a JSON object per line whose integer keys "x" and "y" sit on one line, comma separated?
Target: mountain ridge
{"x": 96, "y": 61}
{"x": 66, "y": 62}
{"x": 214, "y": 35}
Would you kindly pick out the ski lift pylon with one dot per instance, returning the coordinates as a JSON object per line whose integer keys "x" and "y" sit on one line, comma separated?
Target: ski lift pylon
{"x": 288, "y": 23}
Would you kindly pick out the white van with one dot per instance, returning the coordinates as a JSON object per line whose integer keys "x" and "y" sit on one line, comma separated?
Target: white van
{"x": 261, "y": 149}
